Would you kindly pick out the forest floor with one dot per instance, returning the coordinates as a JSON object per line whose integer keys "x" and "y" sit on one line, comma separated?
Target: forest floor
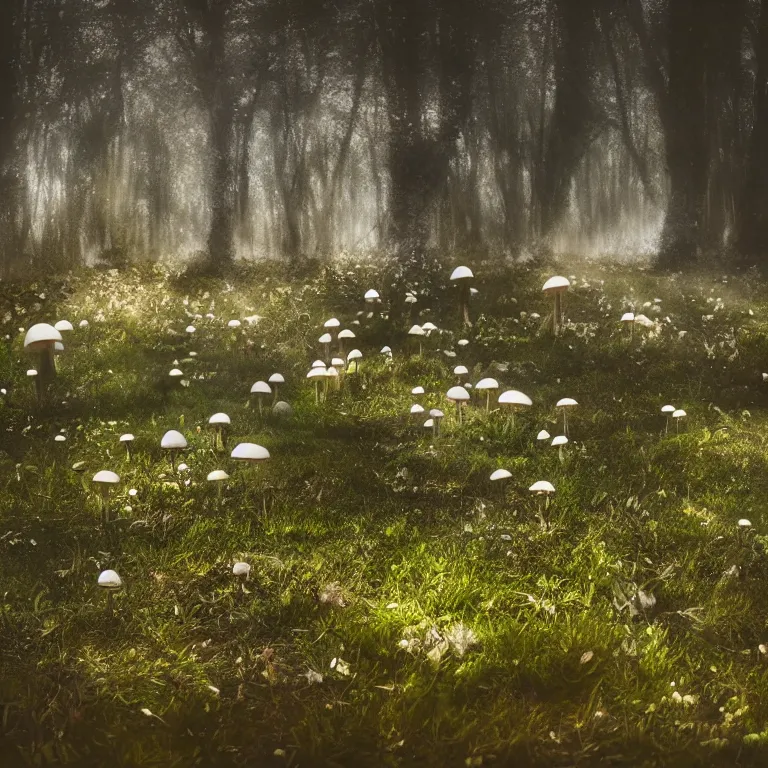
{"x": 401, "y": 608}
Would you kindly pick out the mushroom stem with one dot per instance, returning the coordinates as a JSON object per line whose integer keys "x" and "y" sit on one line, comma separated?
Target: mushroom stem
{"x": 458, "y": 409}
{"x": 464, "y": 305}
{"x": 172, "y": 460}
{"x": 565, "y": 422}
{"x": 274, "y": 399}
{"x": 488, "y": 401}
{"x": 128, "y": 455}
{"x": 110, "y": 604}
{"x": 261, "y": 410}
{"x": 557, "y": 312}
{"x": 560, "y": 453}
{"x": 317, "y": 393}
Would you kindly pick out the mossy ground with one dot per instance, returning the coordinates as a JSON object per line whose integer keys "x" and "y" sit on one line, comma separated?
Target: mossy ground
{"x": 462, "y": 631}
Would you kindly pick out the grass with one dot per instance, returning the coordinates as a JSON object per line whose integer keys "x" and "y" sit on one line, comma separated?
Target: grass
{"x": 401, "y": 609}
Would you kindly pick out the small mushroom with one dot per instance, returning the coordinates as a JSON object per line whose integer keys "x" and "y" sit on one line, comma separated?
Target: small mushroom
{"x": 127, "y": 440}
{"x": 418, "y": 332}
{"x": 261, "y": 389}
{"x": 218, "y": 476}
{"x": 545, "y": 489}
{"x": 276, "y": 380}
{"x": 219, "y": 421}
{"x": 487, "y": 386}
{"x": 667, "y": 410}
{"x": 628, "y": 318}
{"x": 462, "y": 276}
{"x": 436, "y": 415}
{"x": 316, "y": 374}
{"x": 345, "y": 334}
{"x": 104, "y": 480}
{"x": 559, "y": 441}
{"x": 458, "y": 395}
{"x": 110, "y": 582}
{"x": 514, "y": 400}
{"x": 566, "y": 403}
{"x": 41, "y": 339}
{"x": 173, "y": 441}
{"x": 677, "y": 415}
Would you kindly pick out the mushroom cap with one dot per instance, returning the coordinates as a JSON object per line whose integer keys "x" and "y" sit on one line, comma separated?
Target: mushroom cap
{"x": 416, "y": 330}
{"x": 556, "y": 284}
{"x": 416, "y": 408}
{"x": 460, "y": 370}
{"x": 315, "y": 373}
{"x": 281, "y": 408}
{"x": 241, "y": 569}
{"x": 429, "y": 326}
{"x": 261, "y": 388}
{"x": 63, "y": 325}
{"x": 331, "y": 373}
{"x": 668, "y": 409}
{"x": 457, "y": 394}
{"x": 559, "y": 440}
{"x": 487, "y": 384}
{"x": 83, "y": 323}
{"x": 276, "y": 378}
{"x": 219, "y": 418}
{"x": 355, "y": 354}
{"x": 473, "y": 291}
{"x": 429, "y": 424}
{"x": 326, "y": 338}
{"x": 410, "y": 299}
{"x": 417, "y": 391}
{"x": 190, "y": 329}
{"x": 346, "y": 334}
{"x": 566, "y": 402}
{"x": 217, "y": 475}
{"x": 59, "y": 439}
{"x": 249, "y": 452}
{"x": 41, "y": 335}
{"x": 514, "y": 397}
{"x": 127, "y": 438}
{"x": 463, "y": 342}
{"x": 173, "y": 439}
{"x": 744, "y": 523}
{"x": 233, "y": 324}
{"x": 58, "y": 347}
{"x": 109, "y": 580}
{"x": 461, "y": 273}
{"x": 31, "y": 372}
{"x": 645, "y": 321}
{"x": 371, "y": 295}
{"x": 318, "y": 364}
{"x": 628, "y": 317}
{"x": 679, "y": 413}
{"x": 386, "y": 350}
{"x": 436, "y": 413}
{"x": 332, "y": 323}
{"x": 106, "y": 477}
{"x": 501, "y": 474}
{"x": 175, "y": 373}
{"x": 543, "y": 435}
{"x": 338, "y": 362}
{"x": 542, "y": 486}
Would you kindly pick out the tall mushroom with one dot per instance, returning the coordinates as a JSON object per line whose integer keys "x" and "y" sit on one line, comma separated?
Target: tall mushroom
{"x": 110, "y": 582}
{"x": 251, "y": 453}
{"x": 461, "y": 276}
{"x": 218, "y": 476}
{"x": 326, "y": 340}
{"x": 316, "y": 374}
{"x": 487, "y": 386}
{"x": 219, "y": 421}
{"x": 173, "y": 442}
{"x": 345, "y": 334}
{"x": 558, "y": 442}
{"x": 104, "y": 481}
{"x": 261, "y": 389}
{"x": 628, "y": 318}
{"x": 566, "y": 403}
{"x": 514, "y": 400}
{"x": 458, "y": 395}
{"x": 127, "y": 440}
{"x": 667, "y": 410}
{"x": 419, "y": 332}
{"x": 436, "y": 415}
{"x": 41, "y": 339}
{"x": 556, "y": 287}
{"x": 545, "y": 489}
{"x": 275, "y": 380}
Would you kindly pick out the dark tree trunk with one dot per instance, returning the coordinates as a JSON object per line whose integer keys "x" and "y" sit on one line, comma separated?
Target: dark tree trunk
{"x": 685, "y": 128}
{"x": 575, "y": 119}
{"x": 220, "y": 237}
{"x": 752, "y": 222}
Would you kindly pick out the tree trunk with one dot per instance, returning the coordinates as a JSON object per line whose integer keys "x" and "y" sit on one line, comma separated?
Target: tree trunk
{"x": 686, "y": 141}
{"x": 752, "y": 223}
{"x": 575, "y": 119}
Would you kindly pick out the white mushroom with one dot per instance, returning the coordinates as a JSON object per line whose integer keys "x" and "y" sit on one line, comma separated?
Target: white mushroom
{"x": 556, "y": 287}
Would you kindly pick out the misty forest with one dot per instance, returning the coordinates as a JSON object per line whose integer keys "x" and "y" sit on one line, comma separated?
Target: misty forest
{"x": 383, "y": 383}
